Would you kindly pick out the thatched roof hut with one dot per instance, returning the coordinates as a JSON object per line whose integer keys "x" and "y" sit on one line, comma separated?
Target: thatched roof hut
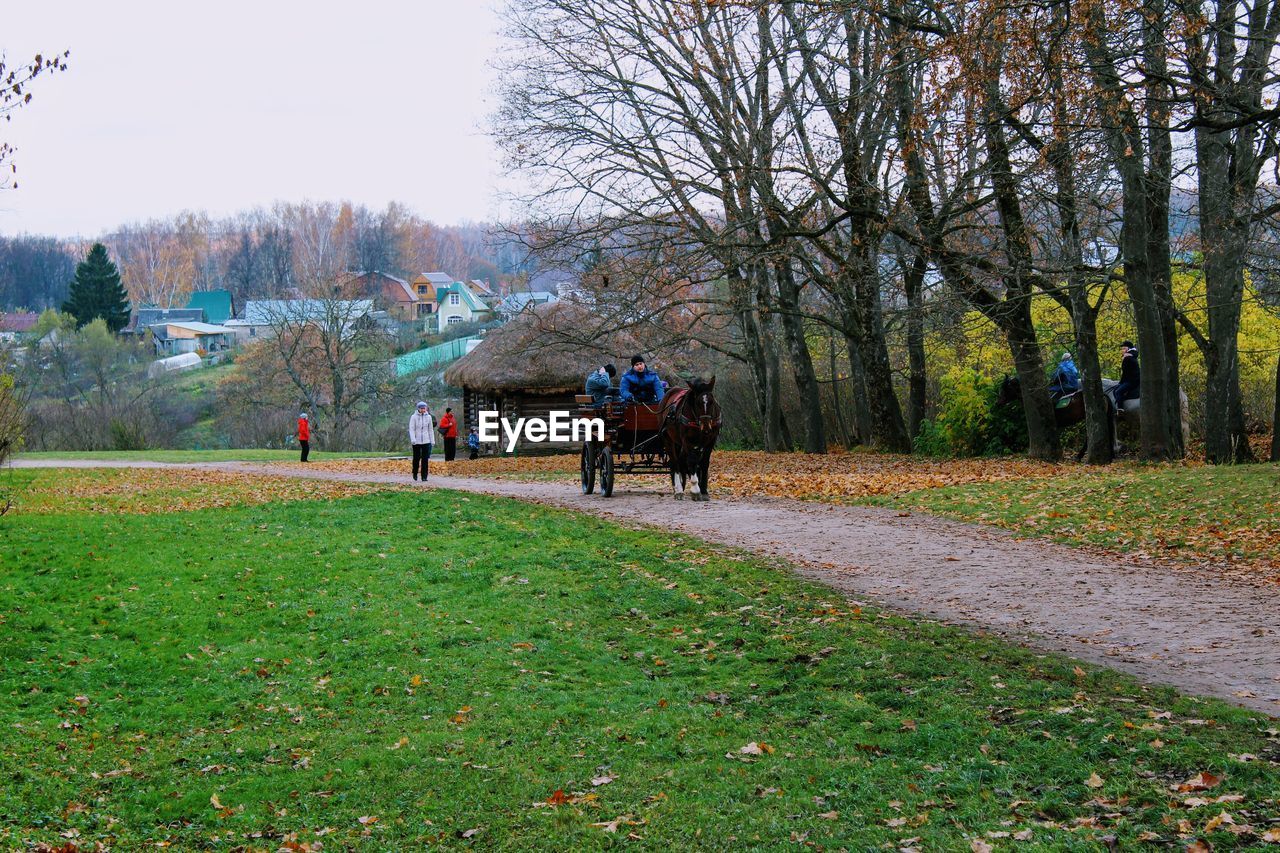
{"x": 550, "y": 348}
{"x": 537, "y": 363}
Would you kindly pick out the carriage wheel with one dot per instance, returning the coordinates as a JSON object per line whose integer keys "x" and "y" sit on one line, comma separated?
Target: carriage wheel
{"x": 606, "y": 472}
{"x": 588, "y": 470}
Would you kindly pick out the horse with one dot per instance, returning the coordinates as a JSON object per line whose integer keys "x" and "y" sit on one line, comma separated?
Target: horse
{"x": 1068, "y": 410}
{"x": 691, "y": 421}
{"x": 1129, "y": 412}
{"x": 1071, "y": 412}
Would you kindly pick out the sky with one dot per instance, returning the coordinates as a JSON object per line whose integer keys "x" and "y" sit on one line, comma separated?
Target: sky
{"x": 172, "y": 106}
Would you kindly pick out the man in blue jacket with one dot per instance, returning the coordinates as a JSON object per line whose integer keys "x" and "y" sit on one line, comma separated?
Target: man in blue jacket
{"x": 640, "y": 385}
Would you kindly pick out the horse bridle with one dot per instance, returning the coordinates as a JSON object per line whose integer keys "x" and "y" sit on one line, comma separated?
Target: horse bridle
{"x": 702, "y": 423}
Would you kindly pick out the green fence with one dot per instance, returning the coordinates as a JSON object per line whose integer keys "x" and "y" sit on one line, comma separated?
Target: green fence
{"x": 432, "y": 357}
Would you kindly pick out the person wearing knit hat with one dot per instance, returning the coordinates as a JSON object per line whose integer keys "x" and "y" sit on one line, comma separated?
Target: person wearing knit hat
{"x": 639, "y": 384}
{"x": 1066, "y": 377}
{"x": 304, "y": 435}
{"x": 422, "y": 434}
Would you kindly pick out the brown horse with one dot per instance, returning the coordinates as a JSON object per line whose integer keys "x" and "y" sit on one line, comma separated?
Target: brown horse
{"x": 1067, "y": 410}
{"x": 691, "y": 422}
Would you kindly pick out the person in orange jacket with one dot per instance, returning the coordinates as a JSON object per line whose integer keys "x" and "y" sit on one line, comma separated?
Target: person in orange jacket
{"x": 304, "y": 435}
{"x": 449, "y": 431}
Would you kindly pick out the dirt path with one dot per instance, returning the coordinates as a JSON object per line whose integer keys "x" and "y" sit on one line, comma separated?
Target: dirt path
{"x": 1183, "y": 628}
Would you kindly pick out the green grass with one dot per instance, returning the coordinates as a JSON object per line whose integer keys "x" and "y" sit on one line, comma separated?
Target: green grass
{"x": 1218, "y": 514}
{"x": 447, "y": 663}
{"x": 243, "y": 455}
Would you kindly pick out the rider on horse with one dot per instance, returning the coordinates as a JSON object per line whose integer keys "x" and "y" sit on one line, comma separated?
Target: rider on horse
{"x": 1066, "y": 378}
{"x": 1130, "y": 376}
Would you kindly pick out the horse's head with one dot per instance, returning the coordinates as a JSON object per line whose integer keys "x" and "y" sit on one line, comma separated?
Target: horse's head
{"x": 1010, "y": 390}
{"x": 699, "y": 412}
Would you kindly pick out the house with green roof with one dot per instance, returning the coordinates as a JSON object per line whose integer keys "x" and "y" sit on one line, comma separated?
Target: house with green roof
{"x": 458, "y": 304}
{"x": 219, "y": 306}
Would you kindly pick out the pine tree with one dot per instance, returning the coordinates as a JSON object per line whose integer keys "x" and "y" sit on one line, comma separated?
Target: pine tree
{"x": 96, "y": 291}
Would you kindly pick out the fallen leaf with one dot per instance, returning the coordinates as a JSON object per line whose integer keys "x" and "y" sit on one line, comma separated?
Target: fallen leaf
{"x": 1200, "y": 782}
{"x": 1094, "y": 781}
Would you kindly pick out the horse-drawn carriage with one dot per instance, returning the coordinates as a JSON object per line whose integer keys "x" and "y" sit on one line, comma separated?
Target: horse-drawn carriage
{"x": 632, "y": 443}
{"x": 673, "y": 437}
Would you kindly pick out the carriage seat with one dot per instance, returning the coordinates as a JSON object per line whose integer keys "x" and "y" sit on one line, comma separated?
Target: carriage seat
{"x": 645, "y": 417}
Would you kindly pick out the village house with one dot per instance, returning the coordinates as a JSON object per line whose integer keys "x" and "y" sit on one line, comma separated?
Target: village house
{"x": 192, "y": 337}
{"x": 16, "y": 325}
{"x": 145, "y": 319}
{"x": 401, "y": 299}
{"x": 263, "y": 317}
{"x": 218, "y": 306}
{"x": 515, "y": 303}
{"x": 458, "y": 304}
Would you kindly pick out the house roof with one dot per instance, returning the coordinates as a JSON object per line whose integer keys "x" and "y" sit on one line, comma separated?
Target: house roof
{"x": 481, "y": 289}
{"x": 264, "y": 312}
{"x": 473, "y": 301}
{"x": 218, "y": 305}
{"x": 203, "y": 328}
{"x": 145, "y": 317}
{"x": 18, "y": 321}
{"x": 550, "y": 348}
{"x": 517, "y": 302}
{"x": 438, "y": 278}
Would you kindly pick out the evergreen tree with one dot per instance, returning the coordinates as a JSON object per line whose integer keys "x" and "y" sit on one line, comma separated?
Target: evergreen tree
{"x": 96, "y": 291}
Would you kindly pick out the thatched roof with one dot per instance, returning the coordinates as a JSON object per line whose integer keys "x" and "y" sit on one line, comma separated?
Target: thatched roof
{"x": 548, "y": 349}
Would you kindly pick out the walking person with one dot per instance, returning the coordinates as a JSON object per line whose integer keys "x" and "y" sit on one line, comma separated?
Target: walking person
{"x": 473, "y": 443}
{"x": 422, "y": 434}
{"x": 304, "y": 435}
{"x": 449, "y": 432}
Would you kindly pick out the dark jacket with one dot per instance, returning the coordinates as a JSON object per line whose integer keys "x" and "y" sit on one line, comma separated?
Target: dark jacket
{"x": 599, "y": 386}
{"x": 1130, "y": 372}
{"x": 642, "y": 387}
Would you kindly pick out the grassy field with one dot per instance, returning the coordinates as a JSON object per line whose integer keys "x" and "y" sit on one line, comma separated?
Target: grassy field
{"x": 245, "y": 455}
{"x": 1227, "y": 516}
{"x": 395, "y": 669}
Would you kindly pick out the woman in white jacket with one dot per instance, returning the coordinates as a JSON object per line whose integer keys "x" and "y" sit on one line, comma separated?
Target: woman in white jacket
{"x": 422, "y": 434}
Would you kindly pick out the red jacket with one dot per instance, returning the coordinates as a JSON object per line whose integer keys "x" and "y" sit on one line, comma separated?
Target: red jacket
{"x": 449, "y": 426}
{"x": 304, "y": 429}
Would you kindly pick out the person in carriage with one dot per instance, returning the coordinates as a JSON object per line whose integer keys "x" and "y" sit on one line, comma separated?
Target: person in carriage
{"x": 600, "y": 385}
{"x": 639, "y": 384}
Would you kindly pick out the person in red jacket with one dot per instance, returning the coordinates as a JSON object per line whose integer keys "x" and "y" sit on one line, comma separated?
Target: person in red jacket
{"x": 449, "y": 430}
{"x": 304, "y": 435}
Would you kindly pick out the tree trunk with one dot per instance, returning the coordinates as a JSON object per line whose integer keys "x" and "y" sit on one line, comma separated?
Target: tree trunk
{"x": 913, "y": 280}
{"x": 815, "y": 438}
{"x": 1275, "y": 419}
{"x": 858, "y": 383}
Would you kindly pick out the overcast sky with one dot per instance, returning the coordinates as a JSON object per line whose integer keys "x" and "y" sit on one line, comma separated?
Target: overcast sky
{"x": 168, "y": 106}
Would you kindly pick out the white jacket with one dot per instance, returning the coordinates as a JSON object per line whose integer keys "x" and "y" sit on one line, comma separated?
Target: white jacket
{"x": 422, "y": 428}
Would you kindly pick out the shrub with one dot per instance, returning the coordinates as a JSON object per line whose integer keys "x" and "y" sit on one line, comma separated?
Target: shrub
{"x": 969, "y": 423}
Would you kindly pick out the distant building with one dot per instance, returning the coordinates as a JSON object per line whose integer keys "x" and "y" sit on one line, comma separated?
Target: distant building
{"x": 400, "y": 298}
{"x": 191, "y": 337}
{"x": 146, "y": 318}
{"x": 218, "y": 306}
{"x": 17, "y": 324}
{"x": 262, "y": 317}
{"x": 458, "y": 304}
{"x": 517, "y": 303}
{"x": 483, "y": 292}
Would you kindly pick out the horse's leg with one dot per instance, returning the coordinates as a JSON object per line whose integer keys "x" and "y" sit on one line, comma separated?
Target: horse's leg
{"x": 704, "y": 468}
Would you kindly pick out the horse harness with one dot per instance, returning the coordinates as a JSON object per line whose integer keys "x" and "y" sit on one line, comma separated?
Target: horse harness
{"x": 701, "y": 424}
